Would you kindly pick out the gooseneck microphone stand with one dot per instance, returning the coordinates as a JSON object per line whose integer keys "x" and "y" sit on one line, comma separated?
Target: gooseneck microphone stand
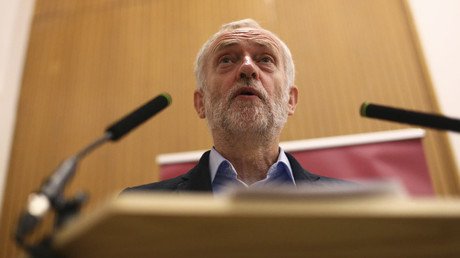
{"x": 51, "y": 195}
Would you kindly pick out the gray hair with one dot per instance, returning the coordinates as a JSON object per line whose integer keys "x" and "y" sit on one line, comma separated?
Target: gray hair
{"x": 288, "y": 63}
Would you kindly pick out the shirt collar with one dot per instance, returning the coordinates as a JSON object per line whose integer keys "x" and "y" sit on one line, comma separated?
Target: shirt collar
{"x": 216, "y": 159}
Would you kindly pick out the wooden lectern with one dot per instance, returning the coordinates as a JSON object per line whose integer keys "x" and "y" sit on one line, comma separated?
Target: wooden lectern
{"x": 198, "y": 225}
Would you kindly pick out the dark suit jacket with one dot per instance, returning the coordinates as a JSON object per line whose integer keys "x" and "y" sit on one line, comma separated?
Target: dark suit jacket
{"x": 199, "y": 178}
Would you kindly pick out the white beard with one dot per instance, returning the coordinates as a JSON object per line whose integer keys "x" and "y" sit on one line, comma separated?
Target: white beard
{"x": 264, "y": 118}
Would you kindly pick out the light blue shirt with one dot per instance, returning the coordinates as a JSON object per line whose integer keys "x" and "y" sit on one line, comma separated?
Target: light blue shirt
{"x": 223, "y": 174}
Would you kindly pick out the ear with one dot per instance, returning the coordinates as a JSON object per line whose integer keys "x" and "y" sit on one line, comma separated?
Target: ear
{"x": 198, "y": 100}
{"x": 293, "y": 94}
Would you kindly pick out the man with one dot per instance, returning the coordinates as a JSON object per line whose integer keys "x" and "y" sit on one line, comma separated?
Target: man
{"x": 245, "y": 90}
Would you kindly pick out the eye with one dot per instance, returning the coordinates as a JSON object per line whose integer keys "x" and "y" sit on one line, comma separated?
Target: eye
{"x": 225, "y": 60}
{"x": 266, "y": 59}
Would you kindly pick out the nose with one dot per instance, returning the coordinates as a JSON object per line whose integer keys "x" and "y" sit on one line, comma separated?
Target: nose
{"x": 248, "y": 69}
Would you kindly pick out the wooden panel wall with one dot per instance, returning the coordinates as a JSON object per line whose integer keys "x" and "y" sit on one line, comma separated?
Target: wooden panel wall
{"x": 89, "y": 62}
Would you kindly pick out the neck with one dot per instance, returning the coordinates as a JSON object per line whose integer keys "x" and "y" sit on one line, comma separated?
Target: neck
{"x": 251, "y": 155}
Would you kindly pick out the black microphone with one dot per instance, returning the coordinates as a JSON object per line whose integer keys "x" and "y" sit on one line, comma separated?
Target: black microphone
{"x": 138, "y": 116}
{"x": 409, "y": 117}
{"x": 50, "y": 193}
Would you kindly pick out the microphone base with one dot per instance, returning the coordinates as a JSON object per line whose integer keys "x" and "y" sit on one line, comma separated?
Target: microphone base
{"x": 68, "y": 209}
{"x": 43, "y": 249}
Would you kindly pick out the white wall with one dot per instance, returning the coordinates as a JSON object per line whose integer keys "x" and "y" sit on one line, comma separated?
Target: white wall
{"x": 438, "y": 25}
{"x": 15, "y": 20}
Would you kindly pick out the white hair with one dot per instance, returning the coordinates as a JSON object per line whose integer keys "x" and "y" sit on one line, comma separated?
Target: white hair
{"x": 288, "y": 63}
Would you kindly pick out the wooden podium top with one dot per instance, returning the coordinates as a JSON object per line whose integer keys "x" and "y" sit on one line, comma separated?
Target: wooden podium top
{"x": 198, "y": 225}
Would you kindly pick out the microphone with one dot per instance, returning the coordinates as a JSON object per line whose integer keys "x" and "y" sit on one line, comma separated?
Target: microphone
{"x": 138, "y": 116}
{"x": 50, "y": 193}
{"x": 409, "y": 117}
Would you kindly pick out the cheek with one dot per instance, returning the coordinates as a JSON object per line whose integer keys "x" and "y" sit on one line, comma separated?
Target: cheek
{"x": 222, "y": 83}
{"x": 273, "y": 84}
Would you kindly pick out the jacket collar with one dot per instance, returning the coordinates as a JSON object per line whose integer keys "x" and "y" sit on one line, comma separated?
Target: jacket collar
{"x": 199, "y": 177}
{"x": 299, "y": 173}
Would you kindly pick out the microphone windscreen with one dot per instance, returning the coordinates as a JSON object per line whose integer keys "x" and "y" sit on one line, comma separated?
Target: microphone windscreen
{"x": 138, "y": 116}
{"x": 409, "y": 117}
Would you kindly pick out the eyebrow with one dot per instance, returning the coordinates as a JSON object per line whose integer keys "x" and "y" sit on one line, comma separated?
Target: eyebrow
{"x": 270, "y": 47}
{"x": 225, "y": 44}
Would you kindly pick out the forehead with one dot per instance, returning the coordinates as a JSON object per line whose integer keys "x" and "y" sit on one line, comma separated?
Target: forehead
{"x": 261, "y": 38}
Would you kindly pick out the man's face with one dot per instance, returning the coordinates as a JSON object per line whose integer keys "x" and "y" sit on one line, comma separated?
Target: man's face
{"x": 245, "y": 84}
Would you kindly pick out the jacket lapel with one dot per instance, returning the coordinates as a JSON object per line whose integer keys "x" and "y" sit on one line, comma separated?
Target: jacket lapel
{"x": 198, "y": 178}
{"x": 299, "y": 173}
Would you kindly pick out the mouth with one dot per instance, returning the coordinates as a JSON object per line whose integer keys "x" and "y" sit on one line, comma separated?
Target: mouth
{"x": 247, "y": 92}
